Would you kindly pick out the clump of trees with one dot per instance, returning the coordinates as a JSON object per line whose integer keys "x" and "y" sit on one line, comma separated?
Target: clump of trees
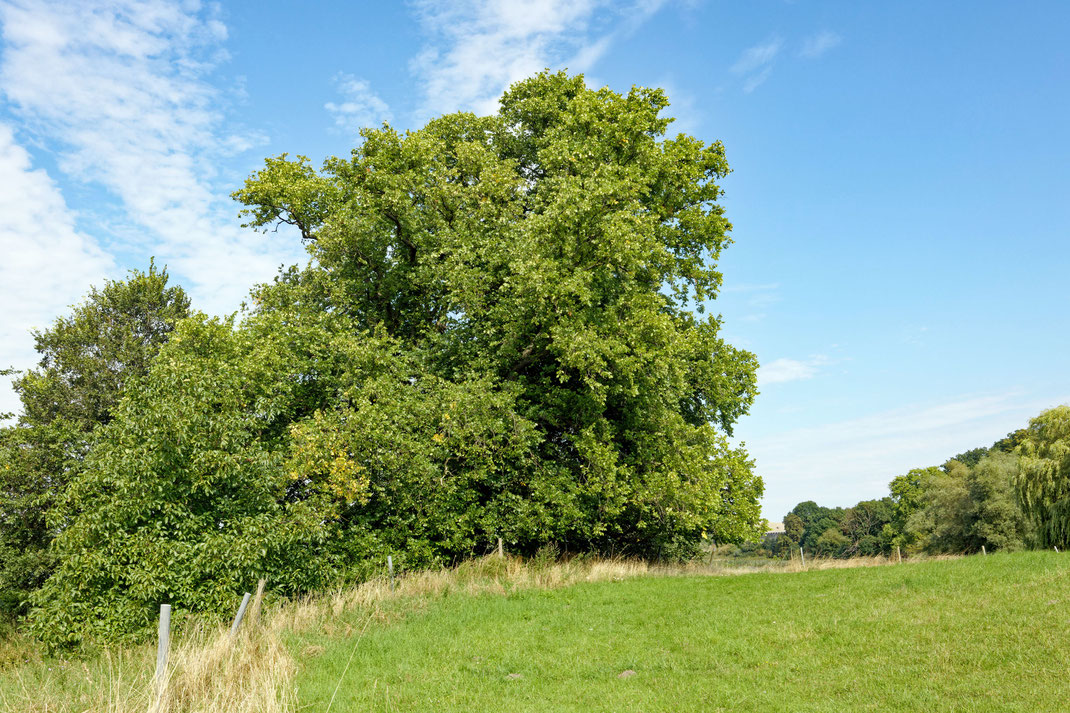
{"x": 1012, "y": 495}
{"x": 499, "y": 333}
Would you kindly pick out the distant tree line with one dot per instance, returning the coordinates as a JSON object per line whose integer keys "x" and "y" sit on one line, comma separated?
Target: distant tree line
{"x": 1012, "y": 495}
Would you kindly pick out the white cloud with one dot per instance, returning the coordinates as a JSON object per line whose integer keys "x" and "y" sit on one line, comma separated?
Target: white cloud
{"x": 782, "y": 370}
{"x": 47, "y": 263}
{"x": 756, "y": 63}
{"x": 482, "y": 46}
{"x": 120, "y": 91}
{"x": 842, "y": 463}
{"x": 478, "y": 48}
{"x": 817, "y": 45}
{"x": 360, "y": 108}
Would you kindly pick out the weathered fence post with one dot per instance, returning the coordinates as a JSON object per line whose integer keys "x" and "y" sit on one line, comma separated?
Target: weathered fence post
{"x": 983, "y": 550}
{"x": 501, "y": 548}
{"x": 802, "y": 556}
{"x": 258, "y": 599}
{"x": 390, "y": 569}
{"x": 240, "y": 615}
{"x": 162, "y": 647}
{"x": 898, "y": 555}
{"x": 1056, "y": 549}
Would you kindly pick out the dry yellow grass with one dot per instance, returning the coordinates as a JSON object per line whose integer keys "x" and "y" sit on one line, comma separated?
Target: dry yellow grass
{"x": 209, "y": 672}
{"x": 244, "y": 675}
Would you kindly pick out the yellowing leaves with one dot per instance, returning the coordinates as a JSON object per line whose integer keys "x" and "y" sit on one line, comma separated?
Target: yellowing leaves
{"x": 320, "y": 456}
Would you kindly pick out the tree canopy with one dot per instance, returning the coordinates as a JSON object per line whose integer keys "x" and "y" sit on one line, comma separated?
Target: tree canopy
{"x": 560, "y": 251}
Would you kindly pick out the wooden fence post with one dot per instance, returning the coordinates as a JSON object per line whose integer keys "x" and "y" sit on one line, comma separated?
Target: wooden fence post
{"x": 162, "y": 647}
{"x": 898, "y": 555}
{"x": 983, "y": 550}
{"x": 802, "y": 556}
{"x": 240, "y": 615}
{"x": 501, "y": 548}
{"x": 390, "y": 569}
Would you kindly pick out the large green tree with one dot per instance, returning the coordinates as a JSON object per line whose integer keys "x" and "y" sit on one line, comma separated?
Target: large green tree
{"x": 942, "y": 521}
{"x": 999, "y": 522}
{"x": 864, "y": 525}
{"x": 816, "y": 521}
{"x": 108, "y": 341}
{"x": 87, "y": 361}
{"x": 908, "y": 493}
{"x": 562, "y": 249}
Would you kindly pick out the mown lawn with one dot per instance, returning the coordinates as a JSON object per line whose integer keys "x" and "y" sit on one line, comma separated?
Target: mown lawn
{"x": 975, "y": 634}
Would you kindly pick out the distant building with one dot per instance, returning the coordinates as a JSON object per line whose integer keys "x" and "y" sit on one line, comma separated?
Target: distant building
{"x": 776, "y": 529}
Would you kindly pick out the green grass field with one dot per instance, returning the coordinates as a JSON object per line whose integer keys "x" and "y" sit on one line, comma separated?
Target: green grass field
{"x": 975, "y": 634}
{"x": 970, "y": 634}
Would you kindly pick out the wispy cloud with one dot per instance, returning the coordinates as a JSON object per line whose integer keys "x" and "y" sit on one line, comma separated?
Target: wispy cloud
{"x": 758, "y": 56}
{"x": 47, "y": 264}
{"x": 844, "y": 462}
{"x": 589, "y": 54}
{"x": 757, "y": 297}
{"x": 119, "y": 90}
{"x": 763, "y": 287}
{"x": 783, "y": 370}
{"x": 684, "y": 107}
{"x": 477, "y": 48}
{"x": 818, "y": 44}
{"x": 756, "y": 63}
{"x": 361, "y": 107}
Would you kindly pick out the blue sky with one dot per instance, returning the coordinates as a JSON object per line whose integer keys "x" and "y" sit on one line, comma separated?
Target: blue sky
{"x": 899, "y": 195}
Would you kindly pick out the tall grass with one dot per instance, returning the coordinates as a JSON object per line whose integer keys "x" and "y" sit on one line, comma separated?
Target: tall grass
{"x": 208, "y": 672}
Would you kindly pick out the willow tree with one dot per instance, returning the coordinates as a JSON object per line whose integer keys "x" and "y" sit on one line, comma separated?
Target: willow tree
{"x": 1043, "y": 483}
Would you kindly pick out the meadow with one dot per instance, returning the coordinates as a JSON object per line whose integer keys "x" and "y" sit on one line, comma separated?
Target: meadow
{"x": 981, "y": 633}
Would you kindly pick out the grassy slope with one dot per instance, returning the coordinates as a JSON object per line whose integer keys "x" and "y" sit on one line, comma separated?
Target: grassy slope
{"x": 975, "y": 634}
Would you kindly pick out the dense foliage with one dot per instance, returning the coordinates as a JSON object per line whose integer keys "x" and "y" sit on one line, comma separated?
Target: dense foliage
{"x": 88, "y": 359}
{"x": 499, "y": 334}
